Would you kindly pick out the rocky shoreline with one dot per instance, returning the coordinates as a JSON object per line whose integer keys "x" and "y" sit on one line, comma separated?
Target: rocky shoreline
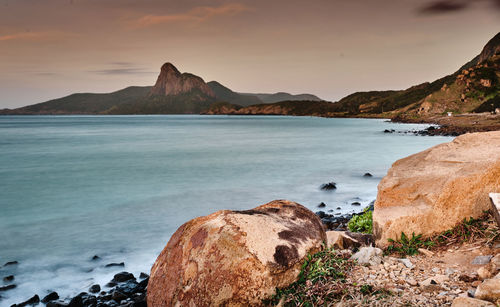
{"x": 127, "y": 290}
{"x": 124, "y": 290}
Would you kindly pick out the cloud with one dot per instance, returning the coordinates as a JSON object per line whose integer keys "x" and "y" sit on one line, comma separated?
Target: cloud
{"x": 121, "y": 71}
{"x": 441, "y": 7}
{"x": 33, "y": 36}
{"x": 452, "y": 6}
{"x": 122, "y": 68}
{"x": 197, "y": 14}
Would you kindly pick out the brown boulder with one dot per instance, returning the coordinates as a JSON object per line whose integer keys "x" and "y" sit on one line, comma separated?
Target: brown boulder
{"x": 235, "y": 258}
{"x": 434, "y": 190}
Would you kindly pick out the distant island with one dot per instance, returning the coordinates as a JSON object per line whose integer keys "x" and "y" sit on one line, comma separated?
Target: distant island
{"x": 472, "y": 89}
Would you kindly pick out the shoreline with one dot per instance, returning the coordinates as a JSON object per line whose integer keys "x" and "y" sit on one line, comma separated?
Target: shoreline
{"x": 454, "y": 125}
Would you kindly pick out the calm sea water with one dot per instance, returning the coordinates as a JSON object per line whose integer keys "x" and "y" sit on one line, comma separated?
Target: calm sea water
{"x": 72, "y": 187}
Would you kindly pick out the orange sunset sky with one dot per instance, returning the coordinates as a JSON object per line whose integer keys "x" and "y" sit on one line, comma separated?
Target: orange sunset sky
{"x": 331, "y": 48}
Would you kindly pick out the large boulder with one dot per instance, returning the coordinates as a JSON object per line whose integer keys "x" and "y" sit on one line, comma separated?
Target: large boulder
{"x": 235, "y": 258}
{"x": 434, "y": 190}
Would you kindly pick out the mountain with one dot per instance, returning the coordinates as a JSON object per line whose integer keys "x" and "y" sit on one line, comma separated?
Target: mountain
{"x": 223, "y": 93}
{"x": 173, "y": 93}
{"x": 84, "y": 103}
{"x": 475, "y": 87}
{"x": 171, "y": 82}
{"x": 282, "y": 96}
{"x": 291, "y": 108}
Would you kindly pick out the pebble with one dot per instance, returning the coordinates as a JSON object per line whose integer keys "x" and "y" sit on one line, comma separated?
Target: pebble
{"x": 482, "y": 259}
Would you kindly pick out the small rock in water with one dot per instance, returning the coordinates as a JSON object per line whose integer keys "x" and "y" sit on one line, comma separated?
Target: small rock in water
{"x": 338, "y": 208}
{"x": 52, "y": 296}
{"x": 77, "y": 301}
{"x": 95, "y": 258}
{"x": 32, "y": 301}
{"x": 95, "y": 288}
{"x": 482, "y": 259}
{"x": 329, "y": 186}
{"x": 8, "y": 287}
{"x": 8, "y": 278}
{"x": 111, "y": 284}
{"x": 11, "y": 263}
{"x": 123, "y": 276}
{"x": 57, "y": 304}
{"x": 109, "y": 265}
{"x": 118, "y": 296}
{"x": 356, "y": 203}
{"x": 143, "y": 275}
{"x": 322, "y": 205}
{"x": 367, "y": 175}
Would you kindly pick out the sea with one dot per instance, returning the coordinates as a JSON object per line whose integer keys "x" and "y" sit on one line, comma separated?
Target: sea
{"x": 72, "y": 187}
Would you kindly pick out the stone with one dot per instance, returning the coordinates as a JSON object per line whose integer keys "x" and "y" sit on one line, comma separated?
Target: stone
{"x": 322, "y": 205}
{"x": 450, "y": 271}
{"x": 329, "y": 186}
{"x": 470, "y": 302}
{"x": 8, "y": 287}
{"x": 446, "y": 183}
{"x": 94, "y": 288}
{"x": 481, "y": 259}
{"x": 143, "y": 275}
{"x": 34, "y": 300}
{"x": 488, "y": 290}
{"x": 118, "y": 296}
{"x": 57, "y": 304}
{"x": 435, "y": 280}
{"x": 412, "y": 282}
{"x": 496, "y": 261}
{"x": 426, "y": 252}
{"x": 115, "y": 264}
{"x": 122, "y": 277}
{"x": 235, "y": 257}
{"x": 347, "y": 240}
{"x": 52, "y": 296}
{"x": 484, "y": 273}
{"x": 95, "y": 258}
{"x": 368, "y": 256}
{"x": 11, "y": 263}
{"x": 407, "y": 263}
{"x": 367, "y": 175}
{"x": 77, "y": 301}
{"x": 356, "y": 203}
{"x": 8, "y": 278}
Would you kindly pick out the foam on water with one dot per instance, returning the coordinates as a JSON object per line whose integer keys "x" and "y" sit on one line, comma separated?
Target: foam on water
{"x": 118, "y": 186}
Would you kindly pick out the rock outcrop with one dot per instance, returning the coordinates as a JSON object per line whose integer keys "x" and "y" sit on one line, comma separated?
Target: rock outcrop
{"x": 172, "y": 82}
{"x": 235, "y": 258}
{"x": 434, "y": 190}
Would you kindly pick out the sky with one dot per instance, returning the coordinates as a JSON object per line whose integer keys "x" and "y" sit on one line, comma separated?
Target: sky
{"x": 330, "y": 48}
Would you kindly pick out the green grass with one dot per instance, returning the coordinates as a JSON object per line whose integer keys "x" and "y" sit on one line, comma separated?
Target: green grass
{"x": 362, "y": 223}
{"x": 322, "y": 279}
{"x": 408, "y": 246}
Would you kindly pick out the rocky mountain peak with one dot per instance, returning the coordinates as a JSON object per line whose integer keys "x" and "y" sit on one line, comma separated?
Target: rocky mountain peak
{"x": 490, "y": 49}
{"x": 172, "y": 82}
